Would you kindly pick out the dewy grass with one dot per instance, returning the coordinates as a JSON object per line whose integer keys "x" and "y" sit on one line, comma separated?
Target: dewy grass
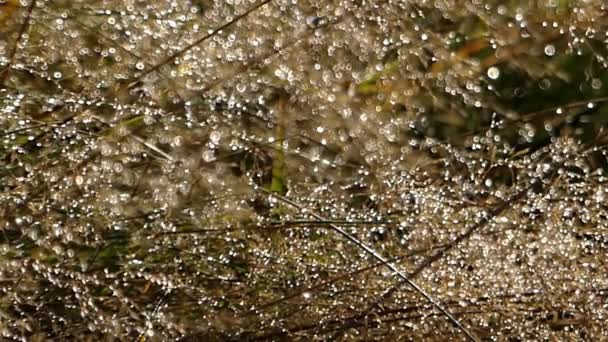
{"x": 461, "y": 142}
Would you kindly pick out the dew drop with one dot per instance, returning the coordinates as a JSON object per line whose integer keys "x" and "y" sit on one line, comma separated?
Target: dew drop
{"x": 493, "y": 72}
{"x": 545, "y": 84}
{"x": 208, "y": 155}
{"x": 58, "y": 249}
{"x": 215, "y": 137}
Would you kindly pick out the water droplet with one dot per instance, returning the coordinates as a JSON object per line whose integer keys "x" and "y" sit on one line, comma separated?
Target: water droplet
{"x": 493, "y": 72}
{"x": 549, "y": 50}
{"x": 118, "y": 167}
{"x": 58, "y": 249}
{"x": 314, "y": 21}
{"x": 105, "y": 148}
{"x": 215, "y": 137}
{"x": 140, "y": 65}
{"x": 178, "y": 140}
{"x": 208, "y": 155}
{"x": 390, "y": 132}
{"x": 544, "y": 84}
{"x": 57, "y": 229}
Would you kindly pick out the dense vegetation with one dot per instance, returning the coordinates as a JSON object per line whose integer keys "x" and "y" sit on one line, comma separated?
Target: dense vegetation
{"x": 303, "y": 170}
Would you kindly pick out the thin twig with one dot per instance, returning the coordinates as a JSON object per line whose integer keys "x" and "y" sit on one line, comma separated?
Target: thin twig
{"x": 141, "y": 337}
{"x": 22, "y": 29}
{"x": 526, "y": 117}
{"x": 152, "y": 147}
{"x": 359, "y": 320}
{"x": 259, "y": 60}
{"x": 328, "y": 222}
{"x": 24, "y": 129}
{"x": 109, "y": 40}
{"x": 201, "y": 40}
{"x": 340, "y": 277}
{"x": 448, "y": 247}
{"x": 139, "y": 140}
{"x": 380, "y": 258}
